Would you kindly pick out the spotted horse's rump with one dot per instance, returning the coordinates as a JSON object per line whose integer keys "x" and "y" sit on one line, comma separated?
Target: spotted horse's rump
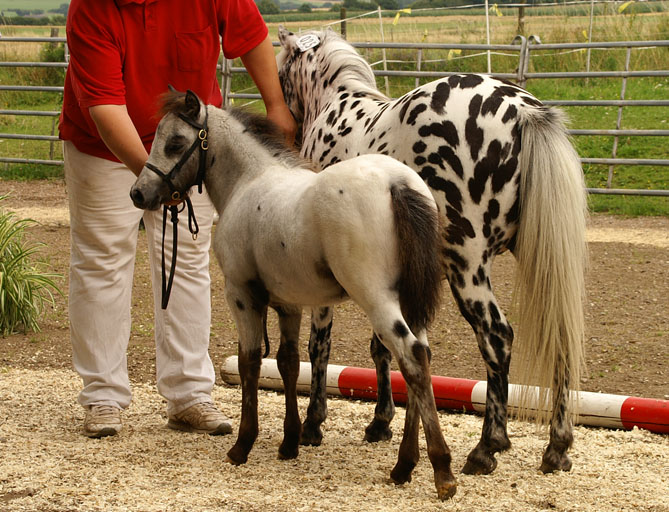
{"x": 505, "y": 176}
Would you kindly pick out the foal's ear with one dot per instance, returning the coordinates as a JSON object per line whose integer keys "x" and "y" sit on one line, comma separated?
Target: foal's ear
{"x": 192, "y": 104}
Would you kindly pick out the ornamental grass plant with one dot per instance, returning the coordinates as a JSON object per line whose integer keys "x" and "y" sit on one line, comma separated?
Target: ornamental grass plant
{"x": 26, "y": 286}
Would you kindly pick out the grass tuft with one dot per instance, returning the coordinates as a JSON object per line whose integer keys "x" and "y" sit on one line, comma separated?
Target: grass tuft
{"x": 25, "y": 288}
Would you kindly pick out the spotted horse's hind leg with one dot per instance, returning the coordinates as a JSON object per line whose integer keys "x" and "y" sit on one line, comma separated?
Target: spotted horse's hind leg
{"x": 555, "y": 457}
{"x": 319, "y": 355}
{"x": 379, "y": 428}
{"x": 473, "y": 293}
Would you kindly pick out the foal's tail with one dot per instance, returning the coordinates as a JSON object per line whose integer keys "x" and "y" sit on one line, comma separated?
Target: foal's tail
{"x": 552, "y": 256}
{"x": 419, "y": 246}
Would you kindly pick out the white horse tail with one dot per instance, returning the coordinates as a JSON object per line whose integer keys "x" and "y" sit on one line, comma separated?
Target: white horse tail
{"x": 419, "y": 246}
{"x": 552, "y": 257}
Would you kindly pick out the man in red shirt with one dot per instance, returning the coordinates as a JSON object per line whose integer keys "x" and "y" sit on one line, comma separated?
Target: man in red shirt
{"x": 123, "y": 56}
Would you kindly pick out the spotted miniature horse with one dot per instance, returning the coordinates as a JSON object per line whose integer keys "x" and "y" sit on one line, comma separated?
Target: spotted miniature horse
{"x": 505, "y": 176}
{"x": 366, "y": 229}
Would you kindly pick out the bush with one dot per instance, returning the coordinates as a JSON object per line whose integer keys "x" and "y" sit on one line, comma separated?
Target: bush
{"x": 53, "y": 52}
{"x": 24, "y": 288}
{"x": 268, "y": 7}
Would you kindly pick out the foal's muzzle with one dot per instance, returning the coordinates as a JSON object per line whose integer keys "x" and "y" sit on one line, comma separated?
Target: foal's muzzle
{"x": 141, "y": 201}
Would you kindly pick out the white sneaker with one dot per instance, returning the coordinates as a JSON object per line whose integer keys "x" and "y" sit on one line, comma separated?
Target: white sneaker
{"x": 102, "y": 421}
{"x": 202, "y": 418}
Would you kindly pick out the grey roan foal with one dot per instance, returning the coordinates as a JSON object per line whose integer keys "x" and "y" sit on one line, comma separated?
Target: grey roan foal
{"x": 365, "y": 229}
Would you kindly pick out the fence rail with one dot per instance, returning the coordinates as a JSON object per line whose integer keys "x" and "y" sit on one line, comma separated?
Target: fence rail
{"x": 521, "y": 46}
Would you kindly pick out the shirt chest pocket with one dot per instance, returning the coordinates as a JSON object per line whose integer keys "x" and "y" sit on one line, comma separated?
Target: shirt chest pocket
{"x": 196, "y": 50}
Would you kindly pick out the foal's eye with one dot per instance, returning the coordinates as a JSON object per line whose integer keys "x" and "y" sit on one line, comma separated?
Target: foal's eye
{"x": 174, "y": 145}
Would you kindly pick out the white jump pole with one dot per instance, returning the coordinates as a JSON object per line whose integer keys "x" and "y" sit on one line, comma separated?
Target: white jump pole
{"x": 595, "y": 409}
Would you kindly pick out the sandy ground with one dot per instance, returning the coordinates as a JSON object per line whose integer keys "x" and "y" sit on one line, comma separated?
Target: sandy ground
{"x": 47, "y": 465}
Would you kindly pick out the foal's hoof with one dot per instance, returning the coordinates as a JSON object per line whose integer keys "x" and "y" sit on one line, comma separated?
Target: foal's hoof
{"x": 551, "y": 462}
{"x": 401, "y": 473}
{"x": 236, "y": 456}
{"x": 377, "y": 431}
{"x": 447, "y": 490}
{"x": 288, "y": 452}
{"x": 479, "y": 464}
{"x": 311, "y": 435}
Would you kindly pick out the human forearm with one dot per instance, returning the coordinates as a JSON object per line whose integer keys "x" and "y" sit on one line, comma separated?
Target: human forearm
{"x": 260, "y": 62}
{"x": 120, "y": 135}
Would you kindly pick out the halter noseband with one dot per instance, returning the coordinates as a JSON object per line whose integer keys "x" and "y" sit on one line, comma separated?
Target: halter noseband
{"x": 202, "y": 142}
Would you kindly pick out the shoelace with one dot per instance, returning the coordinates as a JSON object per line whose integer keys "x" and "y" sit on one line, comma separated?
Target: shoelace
{"x": 104, "y": 410}
{"x": 207, "y": 408}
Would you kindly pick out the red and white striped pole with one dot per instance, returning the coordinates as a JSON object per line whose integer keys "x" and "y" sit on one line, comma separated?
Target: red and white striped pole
{"x": 596, "y": 409}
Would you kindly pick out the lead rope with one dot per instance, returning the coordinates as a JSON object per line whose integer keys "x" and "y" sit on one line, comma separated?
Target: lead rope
{"x": 202, "y": 142}
{"x": 166, "y": 284}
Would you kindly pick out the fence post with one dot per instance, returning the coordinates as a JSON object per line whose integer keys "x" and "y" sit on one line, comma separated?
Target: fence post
{"x": 226, "y": 79}
{"x": 587, "y": 58}
{"x": 418, "y": 64}
{"x": 342, "y": 17}
{"x": 623, "y": 88}
{"x": 383, "y": 51}
{"x": 521, "y": 19}
{"x": 523, "y": 59}
{"x": 54, "y": 34}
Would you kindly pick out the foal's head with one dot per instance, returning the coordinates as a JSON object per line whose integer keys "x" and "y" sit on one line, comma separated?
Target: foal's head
{"x": 178, "y": 154}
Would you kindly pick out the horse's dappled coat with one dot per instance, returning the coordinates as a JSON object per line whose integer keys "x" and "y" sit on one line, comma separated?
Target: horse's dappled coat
{"x": 504, "y": 176}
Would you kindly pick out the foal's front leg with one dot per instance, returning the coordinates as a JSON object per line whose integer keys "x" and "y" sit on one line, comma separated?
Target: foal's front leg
{"x": 288, "y": 361}
{"x": 249, "y": 320}
{"x": 319, "y": 355}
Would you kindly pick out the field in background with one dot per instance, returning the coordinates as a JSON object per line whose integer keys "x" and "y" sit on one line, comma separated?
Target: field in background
{"x": 454, "y": 28}
{"x": 46, "y": 5}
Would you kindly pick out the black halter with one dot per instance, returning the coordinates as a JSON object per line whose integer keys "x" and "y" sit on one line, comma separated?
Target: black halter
{"x": 202, "y": 143}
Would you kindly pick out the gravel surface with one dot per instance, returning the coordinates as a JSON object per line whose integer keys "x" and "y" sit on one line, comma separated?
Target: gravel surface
{"x": 47, "y": 465}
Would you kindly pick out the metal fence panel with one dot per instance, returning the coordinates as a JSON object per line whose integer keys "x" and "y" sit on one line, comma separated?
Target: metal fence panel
{"x": 521, "y": 46}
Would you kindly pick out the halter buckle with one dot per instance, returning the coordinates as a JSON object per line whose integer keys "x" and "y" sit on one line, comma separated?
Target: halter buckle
{"x": 176, "y": 195}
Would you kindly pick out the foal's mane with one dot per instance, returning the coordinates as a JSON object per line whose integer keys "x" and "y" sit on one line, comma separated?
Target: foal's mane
{"x": 269, "y": 136}
{"x": 258, "y": 126}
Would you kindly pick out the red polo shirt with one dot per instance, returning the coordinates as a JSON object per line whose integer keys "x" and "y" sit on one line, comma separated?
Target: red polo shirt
{"x": 126, "y": 52}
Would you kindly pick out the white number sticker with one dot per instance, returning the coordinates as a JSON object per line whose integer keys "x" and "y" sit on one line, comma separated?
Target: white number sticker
{"x": 308, "y": 42}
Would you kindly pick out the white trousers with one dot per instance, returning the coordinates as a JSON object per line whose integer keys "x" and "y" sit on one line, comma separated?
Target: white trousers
{"x": 104, "y": 229}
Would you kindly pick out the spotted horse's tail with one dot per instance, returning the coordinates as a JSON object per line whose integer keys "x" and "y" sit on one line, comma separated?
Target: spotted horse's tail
{"x": 552, "y": 255}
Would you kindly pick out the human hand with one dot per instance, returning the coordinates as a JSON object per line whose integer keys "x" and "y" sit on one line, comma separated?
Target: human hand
{"x": 283, "y": 118}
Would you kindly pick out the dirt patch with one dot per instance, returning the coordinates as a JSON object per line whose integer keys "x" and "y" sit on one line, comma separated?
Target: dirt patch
{"x": 627, "y": 325}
